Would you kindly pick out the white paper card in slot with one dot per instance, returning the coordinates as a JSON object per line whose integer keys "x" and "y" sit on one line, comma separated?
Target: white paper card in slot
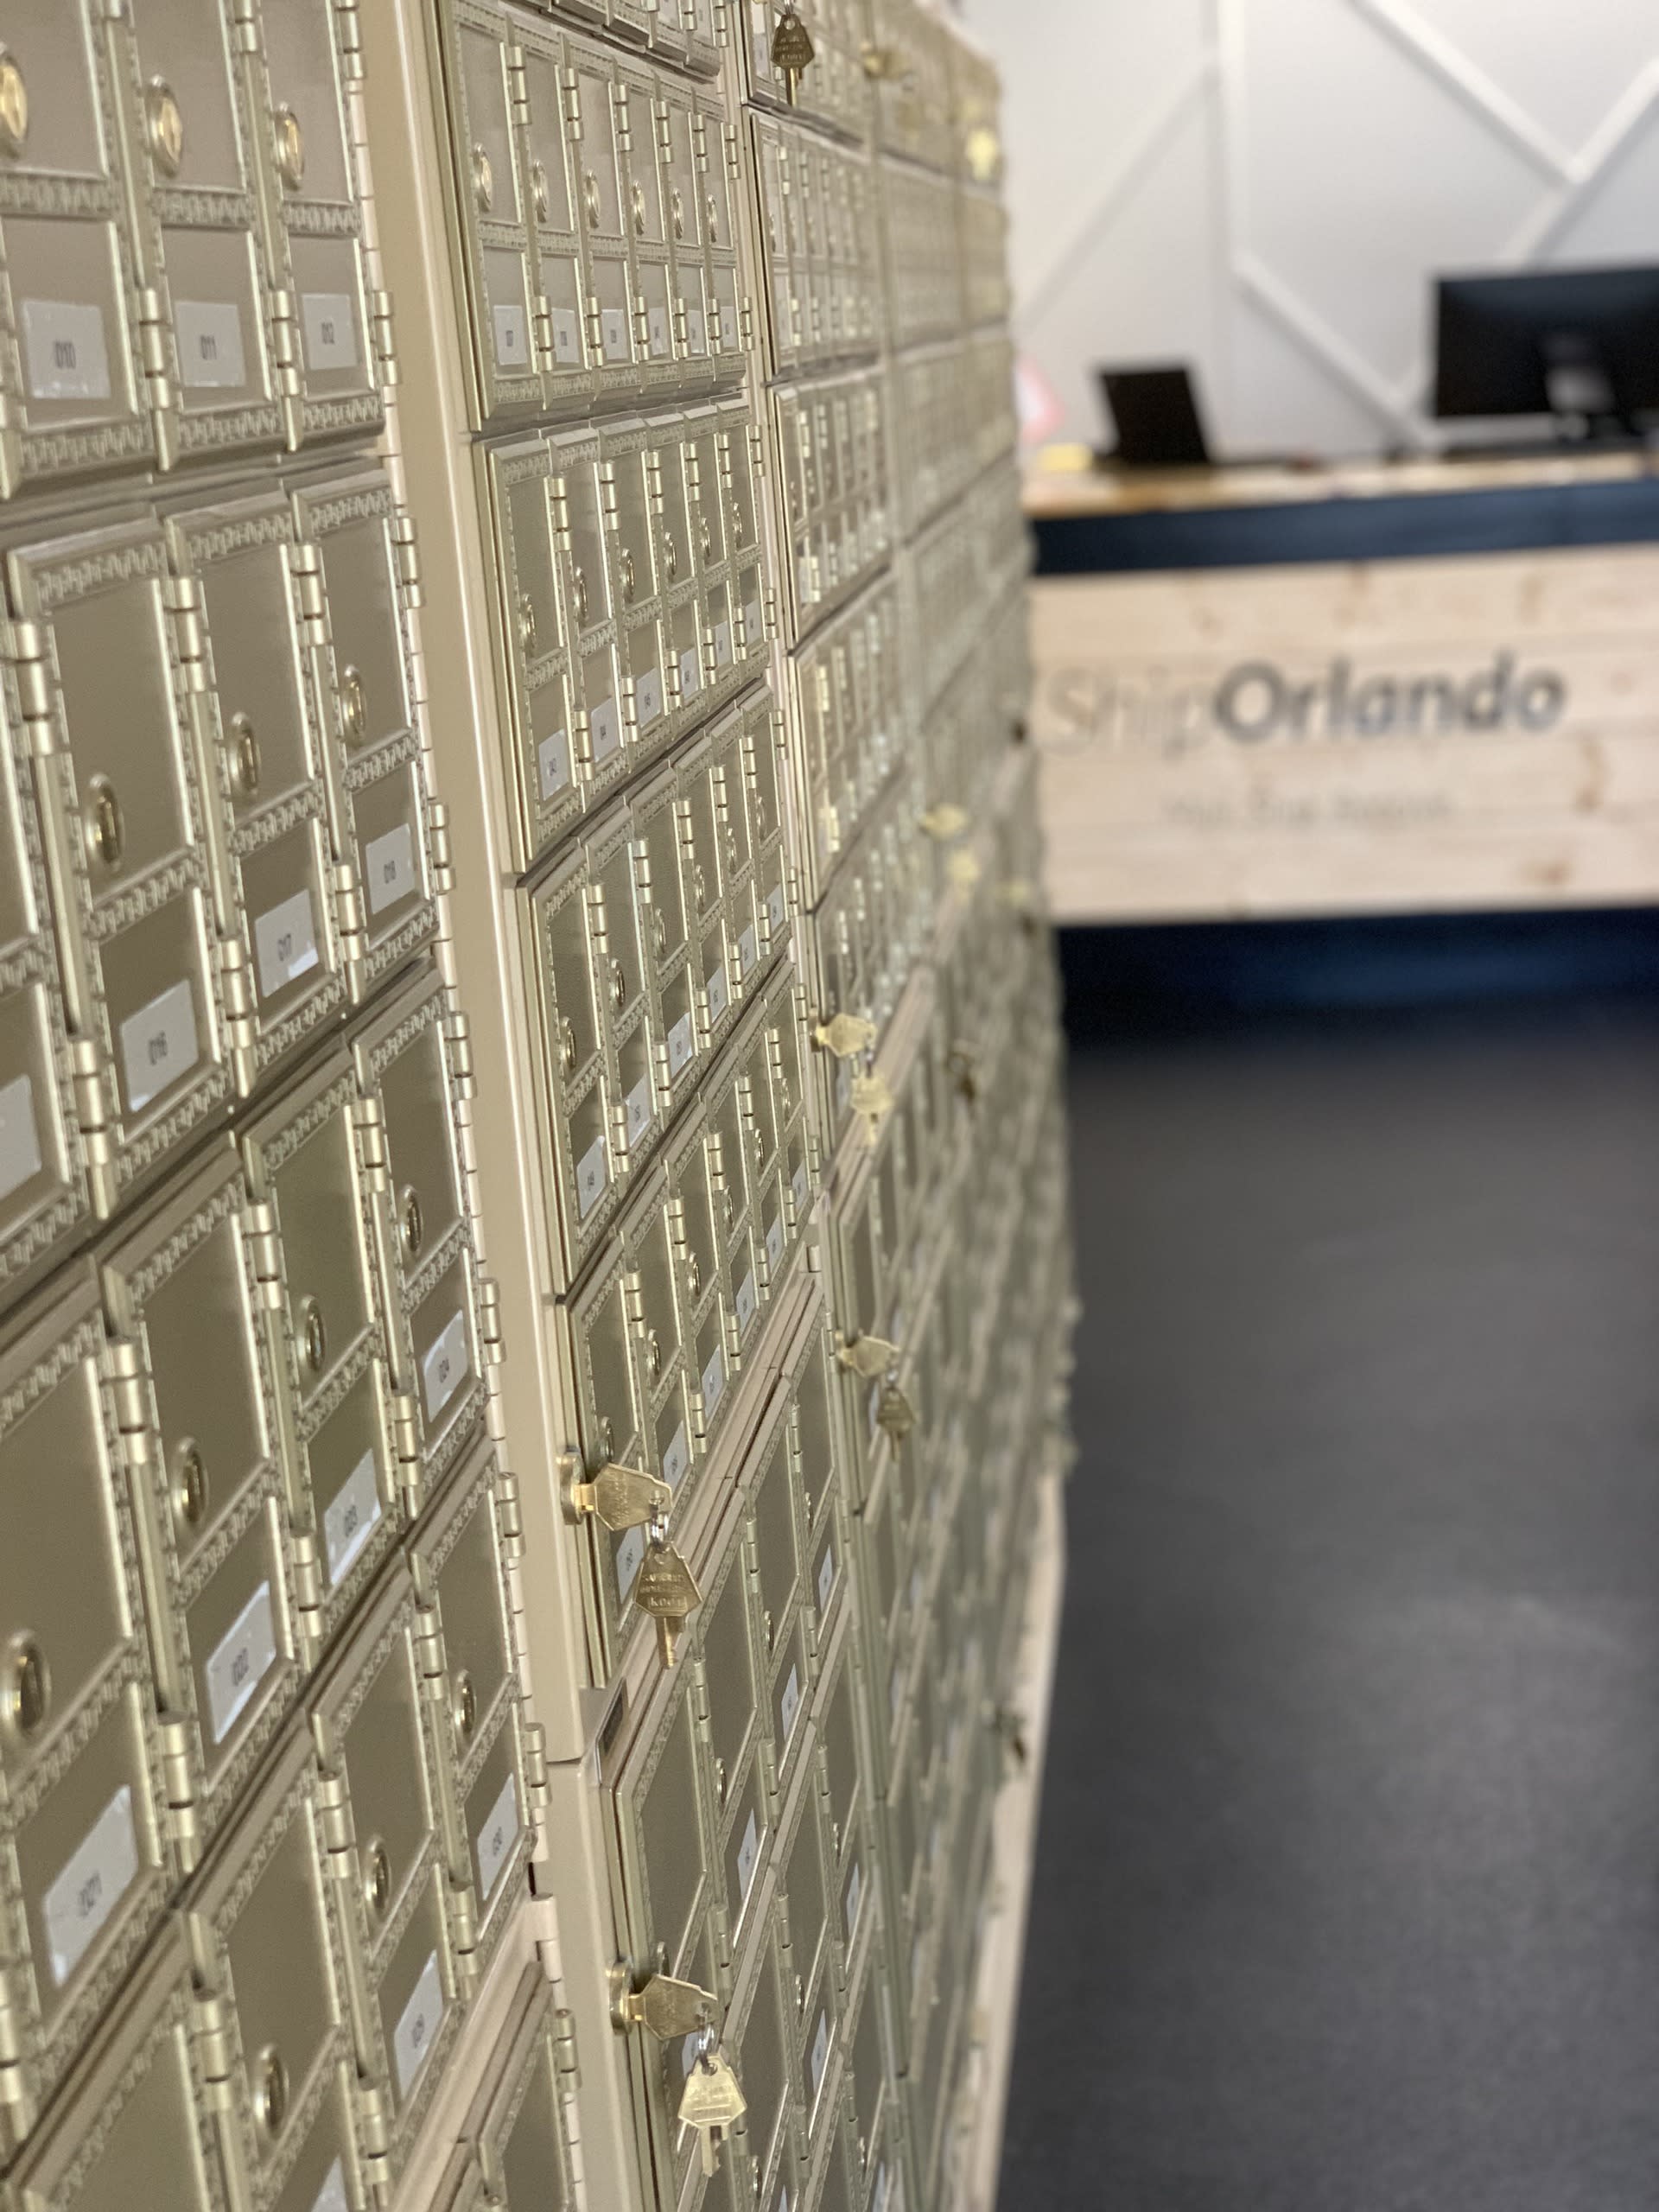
{"x": 854, "y": 1898}
{"x": 245, "y": 1656}
{"x": 285, "y": 943}
{"x": 351, "y": 1517}
{"x": 648, "y": 698}
{"x": 777, "y": 908}
{"x": 714, "y": 1379}
{"x": 332, "y": 2197}
{"x": 826, "y": 1576}
{"x": 20, "y": 1135}
{"x": 613, "y": 333}
{"x": 747, "y": 1299}
{"x": 567, "y": 338}
{"x": 64, "y": 350}
{"x": 657, "y": 327}
{"x": 630, "y": 1556}
{"x": 605, "y": 729}
{"x": 690, "y": 673}
{"x": 677, "y": 1458}
{"x": 719, "y": 997}
{"x": 445, "y": 1367}
{"x": 592, "y": 1175}
{"x": 389, "y": 868}
{"x": 798, "y": 1187}
{"x": 723, "y": 644}
{"x": 753, "y": 634}
{"x": 417, "y": 2025}
{"x": 209, "y": 334}
{"x": 681, "y": 1046}
{"x": 788, "y": 1704}
{"x": 641, "y": 1110}
{"x": 696, "y": 331}
{"x": 100, "y": 1872}
{"x": 512, "y": 337}
{"x": 748, "y": 950}
{"x": 820, "y": 2052}
{"x": 553, "y": 763}
{"x": 748, "y": 1852}
{"x": 159, "y": 1043}
{"x": 330, "y": 327}
{"x": 496, "y": 1839}
{"x": 690, "y": 2047}
{"x": 775, "y": 1244}
{"x": 727, "y": 325}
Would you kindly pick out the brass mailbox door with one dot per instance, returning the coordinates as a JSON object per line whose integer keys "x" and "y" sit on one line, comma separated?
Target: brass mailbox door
{"x": 522, "y": 2143}
{"x": 569, "y": 372}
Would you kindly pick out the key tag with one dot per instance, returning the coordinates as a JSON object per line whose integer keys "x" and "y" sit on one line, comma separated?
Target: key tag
{"x": 792, "y": 49}
{"x": 713, "y": 2101}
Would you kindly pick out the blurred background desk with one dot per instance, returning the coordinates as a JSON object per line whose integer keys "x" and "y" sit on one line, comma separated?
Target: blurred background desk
{"x": 1372, "y": 688}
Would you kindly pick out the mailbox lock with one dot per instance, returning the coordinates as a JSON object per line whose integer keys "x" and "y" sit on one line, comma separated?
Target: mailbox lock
{"x": 353, "y": 704}
{"x": 190, "y": 1485}
{"x": 413, "y": 1224}
{"x": 654, "y": 1356}
{"x": 567, "y": 1044}
{"x": 273, "y": 2090}
{"x": 464, "y": 1708}
{"x": 315, "y": 1332}
{"x": 483, "y": 180}
{"x": 376, "y": 1878}
{"x": 590, "y": 195}
{"x": 538, "y": 191}
{"x": 619, "y": 985}
{"x": 290, "y": 148}
{"x": 639, "y": 201}
{"x": 105, "y": 830}
{"x": 245, "y": 751}
{"x": 678, "y": 204}
{"x": 14, "y": 105}
{"x": 164, "y": 121}
{"x": 527, "y": 624}
{"x": 630, "y": 580}
{"x": 27, "y": 1687}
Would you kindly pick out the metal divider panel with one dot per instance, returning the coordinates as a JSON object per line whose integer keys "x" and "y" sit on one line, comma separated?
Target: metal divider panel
{"x": 81, "y": 1873}
{"x": 132, "y": 2126}
{"x": 542, "y": 767}
{"x": 759, "y": 2041}
{"x": 610, "y": 1432}
{"x": 728, "y": 1677}
{"x": 263, "y": 1919}
{"x": 664, "y": 1832}
{"x": 261, "y": 756}
{"x": 71, "y": 364}
{"x": 194, "y": 161}
{"x": 356, "y": 549}
{"x": 44, "y": 1194}
{"x": 805, "y": 1886}
{"x": 483, "y": 65}
{"x": 304, "y": 1165}
{"x": 121, "y": 788}
{"x": 194, "y": 1393}
{"x": 522, "y": 2143}
{"x": 315, "y": 219}
{"x": 569, "y": 366}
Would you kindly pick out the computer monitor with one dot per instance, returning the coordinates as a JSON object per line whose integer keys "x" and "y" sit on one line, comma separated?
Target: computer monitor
{"x": 1157, "y": 419}
{"x": 1580, "y": 342}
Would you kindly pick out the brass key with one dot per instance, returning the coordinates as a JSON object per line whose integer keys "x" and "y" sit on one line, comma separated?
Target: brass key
{"x": 621, "y": 1497}
{"x": 666, "y": 1589}
{"x": 713, "y": 2101}
{"x": 669, "y": 2009}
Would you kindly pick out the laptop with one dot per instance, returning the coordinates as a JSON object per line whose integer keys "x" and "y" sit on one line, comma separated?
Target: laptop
{"x": 1156, "y": 415}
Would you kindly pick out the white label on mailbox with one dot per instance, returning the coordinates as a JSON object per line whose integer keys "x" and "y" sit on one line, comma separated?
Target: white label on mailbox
{"x": 723, "y": 644}
{"x": 285, "y": 943}
{"x": 782, "y": 2204}
{"x": 641, "y": 1107}
{"x": 727, "y": 324}
{"x": 630, "y": 1552}
{"x": 747, "y": 1299}
{"x": 688, "y": 2049}
{"x": 854, "y": 1898}
{"x": 883, "y": 2189}
{"x": 417, "y": 2025}
{"x": 350, "y": 1520}
{"x": 209, "y": 333}
{"x": 389, "y": 864}
{"x": 159, "y": 1043}
{"x": 690, "y": 673}
{"x": 807, "y": 593}
{"x": 330, "y": 330}
{"x": 592, "y": 1175}
{"x": 553, "y": 763}
{"x": 748, "y": 1852}
{"x": 826, "y": 1576}
{"x": 648, "y": 698}
{"x": 245, "y": 1656}
{"x": 496, "y": 1839}
{"x": 64, "y": 343}
{"x": 748, "y": 950}
{"x": 677, "y": 1458}
{"x": 567, "y": 337}
{"x": 714, "y": 1379}
{"x": 753, "y": 632}
{"x": 614, "y": 333}
{"x": 777, "y": 908}
{"x": 820, "y": 2052}
{"x": 332, "y": 2197}
{"x": 100, "y": 1872}
{"x": 20, "y": 1137}
{"x": 657, "y": 326}
{"x": 512, "y": 337}
{"x": 798, "y": 1186}
{"x": 605, "y": 729}
{"x": 445, "y": 1367}
{"x": 681, "y": 1045}
{"x": 696, "y": 331}
{"x": 774, "y": 1243}
{"x": 719, "y": 996}
{"x": 790, "y": 1703}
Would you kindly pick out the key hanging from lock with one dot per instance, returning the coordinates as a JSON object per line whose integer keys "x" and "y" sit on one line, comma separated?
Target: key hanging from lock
{"x": 713, "y": 2101}
{"x": 895, "y": 1414}
{"x": 618, "y": 1499}
{"x": 792, "y": 49}
{"x": 666, "y": 1589}
{"x": 668, "y": 2009}
{"x": 872, "y": 1101}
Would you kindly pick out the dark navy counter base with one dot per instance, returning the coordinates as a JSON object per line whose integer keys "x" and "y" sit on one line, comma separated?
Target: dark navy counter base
{"x": 1168, "y": 975}
{"x": 1401, "y": 527}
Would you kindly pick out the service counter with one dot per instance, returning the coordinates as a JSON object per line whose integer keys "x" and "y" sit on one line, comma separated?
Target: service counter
{"x": 1428, "y": 686}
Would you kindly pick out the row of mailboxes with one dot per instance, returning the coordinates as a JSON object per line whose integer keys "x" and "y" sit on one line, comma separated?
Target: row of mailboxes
{"x": 210, "y": 758}
{"x": 181, "y": 236}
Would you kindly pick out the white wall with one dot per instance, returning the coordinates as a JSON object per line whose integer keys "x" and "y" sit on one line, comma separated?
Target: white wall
{"x": 1265, "y": 187}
